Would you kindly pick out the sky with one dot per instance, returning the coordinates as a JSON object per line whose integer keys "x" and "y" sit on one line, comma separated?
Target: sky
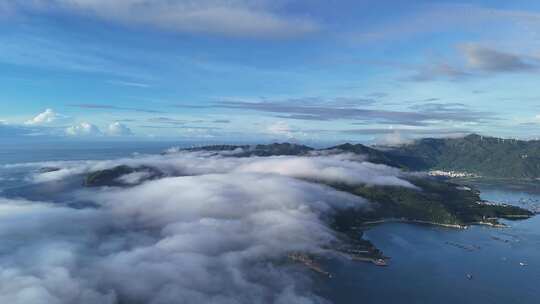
{"x": 247, "y": 70}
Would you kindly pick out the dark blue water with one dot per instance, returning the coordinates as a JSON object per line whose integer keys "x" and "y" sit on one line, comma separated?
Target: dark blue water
{"x": 424, "y": 268}
{"x": 22, "y": 152}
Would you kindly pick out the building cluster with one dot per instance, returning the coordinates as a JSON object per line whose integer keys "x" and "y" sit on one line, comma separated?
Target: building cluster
{"x": 453, "y": 174}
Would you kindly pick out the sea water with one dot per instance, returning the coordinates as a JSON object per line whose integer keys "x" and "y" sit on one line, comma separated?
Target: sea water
{"x": 439, "y": 265}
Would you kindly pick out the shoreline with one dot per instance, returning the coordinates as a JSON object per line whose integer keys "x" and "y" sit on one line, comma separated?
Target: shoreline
{"x": 454, "y": 226}
{"x": 382, "y": 221}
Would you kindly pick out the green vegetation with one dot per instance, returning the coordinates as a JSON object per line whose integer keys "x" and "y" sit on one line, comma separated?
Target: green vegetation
{"x": 274, "y": 149}
{"x": 110, "y": 177}
{"x": 485, "y": 156}
{"x": 372, "y": 155}
{"x": 435, "y": 201}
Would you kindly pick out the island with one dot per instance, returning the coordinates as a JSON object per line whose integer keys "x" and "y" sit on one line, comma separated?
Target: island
{"x": 434, "y": 199}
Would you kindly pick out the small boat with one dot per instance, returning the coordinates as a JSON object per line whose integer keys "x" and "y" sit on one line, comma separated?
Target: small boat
{"x": 380, "y": 262}
{"x": 469, "y": 276}
{"x": 522, "y": 264}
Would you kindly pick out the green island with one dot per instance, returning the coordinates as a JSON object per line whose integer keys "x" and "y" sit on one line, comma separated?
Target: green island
{"x": 111, "y": 177}
{"x": 433, "y": 200}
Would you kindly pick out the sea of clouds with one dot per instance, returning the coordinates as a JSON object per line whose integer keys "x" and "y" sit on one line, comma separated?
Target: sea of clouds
{"x": 217, "y": 229}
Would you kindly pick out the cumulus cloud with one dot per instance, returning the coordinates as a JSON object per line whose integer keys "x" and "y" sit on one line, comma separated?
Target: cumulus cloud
{"x": 241, "y": 18}
{"x": 118, "y": 129}
{"x": 46, "y": 117}
{"x": 280, "y": 128}
{"x": 83, "y": 129}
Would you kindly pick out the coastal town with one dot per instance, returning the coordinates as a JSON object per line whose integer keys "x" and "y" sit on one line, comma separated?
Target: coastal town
{"x": 452, "y": 174}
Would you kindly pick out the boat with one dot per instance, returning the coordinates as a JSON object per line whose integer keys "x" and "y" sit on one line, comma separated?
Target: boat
{"x": 380, "y": 262}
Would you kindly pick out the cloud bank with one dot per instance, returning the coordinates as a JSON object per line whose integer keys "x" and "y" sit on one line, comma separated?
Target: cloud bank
{"x": 342, "y": 168}
{"x": 217, "y": 230}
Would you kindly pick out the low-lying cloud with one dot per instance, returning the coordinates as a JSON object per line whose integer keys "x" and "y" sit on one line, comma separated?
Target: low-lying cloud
{"x": 215, "y": 231}
{"x": 196, "y": 239}
{"x": 341, "y": 168}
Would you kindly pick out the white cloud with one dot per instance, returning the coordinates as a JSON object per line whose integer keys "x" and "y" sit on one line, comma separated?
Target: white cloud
{"x": 232, "y": 18}
{"x": 118, "y": 129}
{"x": 280, "y": 128}
{"x": 393, "y": 139}
{"x": 45, "y": 118}
{"x": 343, "y": 168}
{"x": 196, "y": 239}
{"x": 83, "y": 129}
{"x": 216, "y": 231}
{"x": 129, "y": 83}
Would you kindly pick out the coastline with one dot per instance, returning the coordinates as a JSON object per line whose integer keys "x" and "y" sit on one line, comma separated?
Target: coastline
{"x": 396, "y": 220}
{"x": 454, "y": 226}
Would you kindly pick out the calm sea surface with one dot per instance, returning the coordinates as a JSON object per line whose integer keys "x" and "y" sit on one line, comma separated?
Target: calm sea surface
{"x": 426, "y": 265}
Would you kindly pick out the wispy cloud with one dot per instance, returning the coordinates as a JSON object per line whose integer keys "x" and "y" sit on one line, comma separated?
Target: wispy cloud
{"x": 167, "y": 120}
{"x": 478, "y": 61}
{"x": 111, "y": 107}
{"x": 441, "y": 18}
{"x": 489, "y": 60}
{"x": 421, "y": 115}
{"x": 31, "y": 48}
{"x": 239, "y": 18}
{"x": 438, "y": 71}
{"x": 129, "y": 83}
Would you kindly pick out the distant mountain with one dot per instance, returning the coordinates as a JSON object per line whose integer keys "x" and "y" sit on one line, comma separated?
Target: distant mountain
{"x": 274, "y": 149}
{"x": 372, "y": 155}
{"x": 431, "y": 200}
{"x": 485, "y": 156}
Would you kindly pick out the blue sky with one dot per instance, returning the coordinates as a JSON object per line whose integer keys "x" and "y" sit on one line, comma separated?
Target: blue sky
{"x": 376, "y": 71}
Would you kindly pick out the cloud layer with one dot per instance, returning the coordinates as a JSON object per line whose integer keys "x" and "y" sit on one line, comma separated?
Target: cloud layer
{"x": 341, "y": 168}
{"x": 217, "y": 234}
